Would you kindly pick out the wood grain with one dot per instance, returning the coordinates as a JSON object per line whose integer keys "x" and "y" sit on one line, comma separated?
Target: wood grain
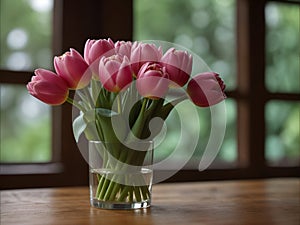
{"x": 274, "y": 201}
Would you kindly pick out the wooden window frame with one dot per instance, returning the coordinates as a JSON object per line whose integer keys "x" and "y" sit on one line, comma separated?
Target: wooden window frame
{"x": 76, "y": 21}
{"x": 73, "y": 23}
{"x": 251, "y": 97}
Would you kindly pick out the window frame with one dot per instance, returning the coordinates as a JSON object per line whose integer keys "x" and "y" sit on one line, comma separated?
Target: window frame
{"x": 69, "y": 168}
{"x": 251, "y": 96}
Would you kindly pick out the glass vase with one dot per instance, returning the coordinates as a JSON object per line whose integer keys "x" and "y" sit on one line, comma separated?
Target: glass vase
{"x": 120, "y": 175}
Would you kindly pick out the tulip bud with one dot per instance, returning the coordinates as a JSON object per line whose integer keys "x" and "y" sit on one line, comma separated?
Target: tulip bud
{"x": 142, "y": 53}
{"x": 115, "y": 72}
{"x": 206, "y": 89}
{"x": 123, "y": 48}
{"x": 178, "y": 65}
{"x": 73, "y": 69}
{"x": 95, "y": 49}
{"x": 48, "y": 87}
{"x": 152, "y": 81}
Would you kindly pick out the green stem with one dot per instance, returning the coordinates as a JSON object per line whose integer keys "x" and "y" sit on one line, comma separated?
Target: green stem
{"x": 139, "y": 123}
{"x": 101, "y": 180}
{"x": 130, "y": 194}
{"x": 76, "y": 104}
{"x": 104, "y": 188}
{"x": 114, "y": 192}
{"x": 109, "y": 190}
{"x": 111, "y": 187}
{"x": 125, "y": 192}
{"x": 119, "y": 103}
{"x": 156, "y": 104}
{"x": 99, "y": 129}
{"x": 137, "y": 194}
{"x": 145, "y": 192}
{"x": 89, "y": 97}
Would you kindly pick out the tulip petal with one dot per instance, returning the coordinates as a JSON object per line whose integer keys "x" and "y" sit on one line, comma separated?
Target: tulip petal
{"x": 206, "y": 89}
{"x": 73, "y": 69}
{"x": 178, "y": 65}
{"x": 48, "y": 87}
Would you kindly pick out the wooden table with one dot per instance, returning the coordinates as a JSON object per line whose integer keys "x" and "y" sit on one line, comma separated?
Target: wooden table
{"x": 274, "y": 201}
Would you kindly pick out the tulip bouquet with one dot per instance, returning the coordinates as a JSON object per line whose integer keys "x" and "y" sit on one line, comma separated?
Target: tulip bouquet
{"x": 120, "y": 87}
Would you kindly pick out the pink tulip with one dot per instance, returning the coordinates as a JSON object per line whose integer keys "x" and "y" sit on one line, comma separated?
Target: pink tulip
{"x": 123, "y": 48}
{"x": 142, "y": 53}
{"x": 73, "y": 69}
{"x": 95, "y": 49}
{"x": 48, "y": 87}
{"x": 178, "y": 65}
{"x": 206, "y": 89}
{"x": 115, "y": 72}
{"x": 152, "y": 81}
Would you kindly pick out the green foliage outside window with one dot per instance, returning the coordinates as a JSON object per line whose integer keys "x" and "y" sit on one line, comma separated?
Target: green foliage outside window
{"x": 206, "y": 27}
{"x": 25, "y": 43}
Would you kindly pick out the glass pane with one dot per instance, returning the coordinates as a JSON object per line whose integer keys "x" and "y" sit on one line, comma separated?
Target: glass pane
{"x": 206, "y": 27}
{"x": 228, "y": 151}
{"x": 25, "y": 34}
{"x": 282, "y": 47}
{"x": 175, "y": 130}
{"x": 25, "y": 134}
{"x": 282, "y": 143}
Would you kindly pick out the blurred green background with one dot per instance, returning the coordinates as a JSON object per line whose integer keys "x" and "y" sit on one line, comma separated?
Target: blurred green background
{"x": 25, "y": 43}
{"x": 204, "y": 26}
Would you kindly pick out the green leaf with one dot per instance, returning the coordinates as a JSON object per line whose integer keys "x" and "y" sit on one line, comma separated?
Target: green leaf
{"x": 91, "y": 132}
{"x": 79, "y": 126}
{"x": 89, "y": 116}
{"x": 105, "y": 99}
{"x": 105, "y": 112}
{"x": 134, "y": 113}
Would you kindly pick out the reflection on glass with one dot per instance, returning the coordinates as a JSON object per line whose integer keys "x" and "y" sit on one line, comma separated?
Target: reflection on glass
{"x": 25, "y": 126}
{"x": 206, "y": 27}
{"x": 282, "y": 47}
{"x": 25, "y": 34}
{"x": 282, "y": 143}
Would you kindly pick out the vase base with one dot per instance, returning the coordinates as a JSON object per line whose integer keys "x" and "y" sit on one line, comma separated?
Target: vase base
{"x": 119, "y": 205}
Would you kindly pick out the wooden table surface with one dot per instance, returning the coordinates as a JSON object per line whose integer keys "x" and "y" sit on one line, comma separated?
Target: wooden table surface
{"x": 274, "y": 201}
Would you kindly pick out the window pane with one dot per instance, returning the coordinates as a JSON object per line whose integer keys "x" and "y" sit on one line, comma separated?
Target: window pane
{"x": 181, "y": 123}
{"x": 25, "y": 126}
{"x": 206, "y": 27}
{"x": 282, "y": 47}
{"x": 228, "y": 151}
{"x": 282, "y": 143}
{"x": 25, "y": 34}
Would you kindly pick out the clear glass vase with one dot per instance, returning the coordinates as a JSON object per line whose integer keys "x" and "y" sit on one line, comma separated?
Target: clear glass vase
{"x": 120, "y": 175}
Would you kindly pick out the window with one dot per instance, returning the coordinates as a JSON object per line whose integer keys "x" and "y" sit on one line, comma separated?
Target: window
{"x": 208, "y": 29}
{"x": 66, "y": 167}
{"x": 282, "y": 76}
{"x": 238, "y": 40}
{"x": 232, "y": 36}
{"x": 24, "y": 45}
{"x": 258, "y": 101}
